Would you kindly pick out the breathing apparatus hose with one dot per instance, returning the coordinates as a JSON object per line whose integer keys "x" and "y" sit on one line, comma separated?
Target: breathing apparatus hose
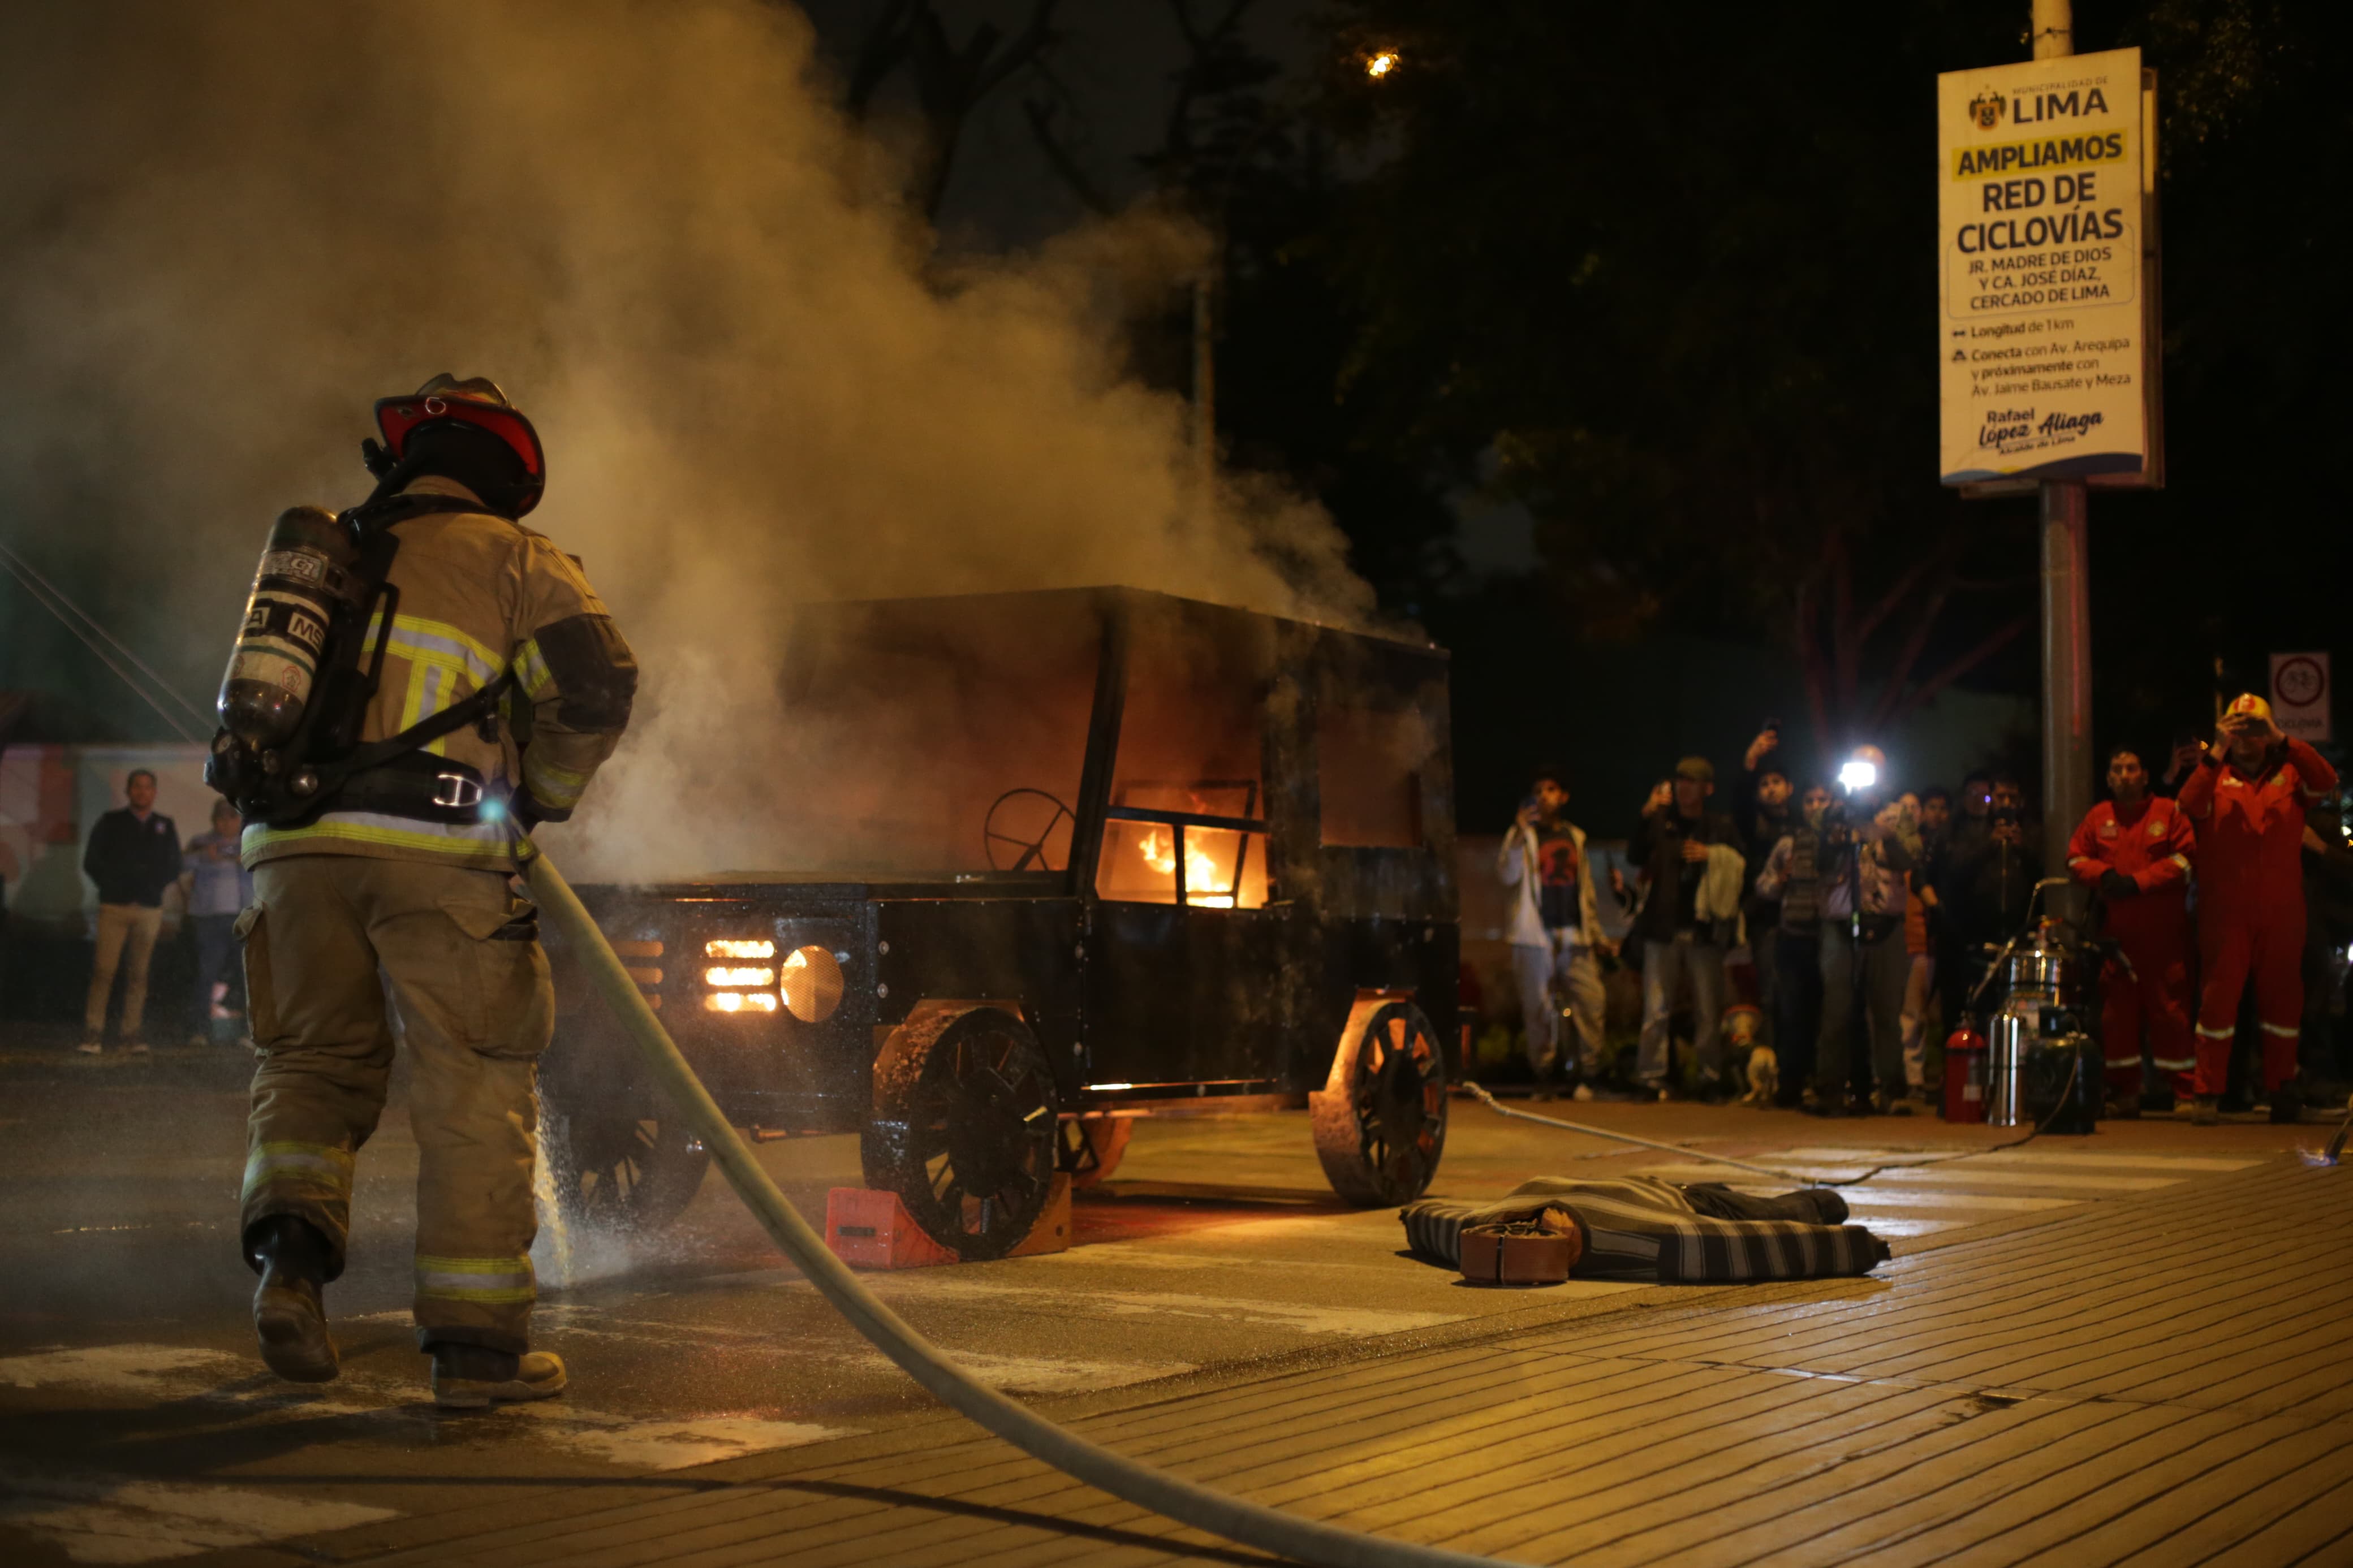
{"x": 1188, "y": 1503}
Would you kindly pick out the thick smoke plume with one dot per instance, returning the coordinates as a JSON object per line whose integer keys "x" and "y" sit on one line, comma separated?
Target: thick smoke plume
{"x": 225, "y": 229}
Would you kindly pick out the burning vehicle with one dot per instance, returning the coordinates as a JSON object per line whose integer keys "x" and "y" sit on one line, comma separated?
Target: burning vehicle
{"x": 1089, "y": 854}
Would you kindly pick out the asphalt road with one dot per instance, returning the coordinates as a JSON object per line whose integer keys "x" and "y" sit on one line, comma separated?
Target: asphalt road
{"x": 136, "y": 1422}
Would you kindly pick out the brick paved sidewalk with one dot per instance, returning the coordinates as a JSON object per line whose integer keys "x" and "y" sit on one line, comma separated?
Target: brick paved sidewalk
{"x": 2167, "y": 1380}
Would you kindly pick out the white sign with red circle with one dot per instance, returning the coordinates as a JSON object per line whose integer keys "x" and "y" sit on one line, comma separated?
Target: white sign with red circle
{"x": 2300, "y": 695}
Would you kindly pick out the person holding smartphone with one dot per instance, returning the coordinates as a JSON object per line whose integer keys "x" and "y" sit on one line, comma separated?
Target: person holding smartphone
{"x": 1556, "y": 931}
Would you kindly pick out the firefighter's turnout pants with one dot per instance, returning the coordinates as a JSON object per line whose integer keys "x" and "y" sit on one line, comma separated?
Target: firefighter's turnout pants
{"x": 470, "y": 987}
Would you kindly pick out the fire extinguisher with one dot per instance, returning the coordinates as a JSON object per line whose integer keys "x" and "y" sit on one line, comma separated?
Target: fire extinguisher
{"x": 1965, "y": 1074}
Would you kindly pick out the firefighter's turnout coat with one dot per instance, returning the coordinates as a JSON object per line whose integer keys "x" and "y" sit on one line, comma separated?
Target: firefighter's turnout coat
{"x": 481, "y": 597}
{"x": 432, "y": 905}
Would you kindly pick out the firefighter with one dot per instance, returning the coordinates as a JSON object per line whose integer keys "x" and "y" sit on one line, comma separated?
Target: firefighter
{"x": 2247, "y": 796}
{"x": 2134, "y": 849}
{"x": 410, "y": 869}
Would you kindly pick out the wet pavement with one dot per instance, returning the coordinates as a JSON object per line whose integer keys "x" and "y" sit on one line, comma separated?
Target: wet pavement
{"x": 136, "y": 1423}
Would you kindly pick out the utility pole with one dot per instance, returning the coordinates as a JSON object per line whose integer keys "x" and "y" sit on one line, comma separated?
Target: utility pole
{"x": 2066, "y": 594}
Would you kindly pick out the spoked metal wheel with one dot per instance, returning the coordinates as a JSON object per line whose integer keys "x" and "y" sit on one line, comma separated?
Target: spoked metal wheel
{"x": 963, "y": 1128}
{"x": 622, "y": 1173}
{"x": 1380, "y": 1120}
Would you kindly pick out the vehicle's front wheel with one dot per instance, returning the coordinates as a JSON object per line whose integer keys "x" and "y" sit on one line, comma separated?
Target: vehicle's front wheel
{"x": 1380, "y": 1120}
{"x": 963, "y": 1126}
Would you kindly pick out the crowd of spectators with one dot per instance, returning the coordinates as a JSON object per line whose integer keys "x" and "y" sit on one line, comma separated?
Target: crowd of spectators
{"x": 1816, "y": 940}
{"x": 144, "y": 876}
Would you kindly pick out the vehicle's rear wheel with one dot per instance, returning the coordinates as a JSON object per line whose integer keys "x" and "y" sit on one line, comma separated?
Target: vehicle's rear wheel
{"x": 621, "y": 1171}
{"x": 963, "y": 1126}
{"x": 1380, "y": 1120}
{"x": 1092, "y": 1147}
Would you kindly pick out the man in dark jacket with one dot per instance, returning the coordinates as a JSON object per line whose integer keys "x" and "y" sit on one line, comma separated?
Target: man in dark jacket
{"x": 134, "y": 855}
{"x": 1791, "y": 879}
{"x": 1679, "y": 935}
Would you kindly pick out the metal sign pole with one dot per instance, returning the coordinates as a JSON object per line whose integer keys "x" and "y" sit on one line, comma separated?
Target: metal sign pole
{"x": 2066, "y": 599}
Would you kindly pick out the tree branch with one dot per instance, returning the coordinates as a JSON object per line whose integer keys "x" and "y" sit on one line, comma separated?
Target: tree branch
{"x": 1026, "y": 46}
{"x": 1062, "y": 159}
{"x": 1896, "y": 594}
{"x": 1960, "y": 667}
{"x": 1810, "y": 661}
{"x": 1901, "y": 672}
{"x": 879, "y": 53}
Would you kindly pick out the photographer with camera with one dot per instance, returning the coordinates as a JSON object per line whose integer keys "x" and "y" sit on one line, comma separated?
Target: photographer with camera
{"x": 1868, "y": 846}
{"x": 1672, "y": 844}
{"x": 2248, "y": 797}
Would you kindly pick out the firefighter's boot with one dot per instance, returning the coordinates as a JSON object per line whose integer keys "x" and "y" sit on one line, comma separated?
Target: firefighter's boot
{"x": 290, "y": 1316}
{"x": 470, "y": 1377}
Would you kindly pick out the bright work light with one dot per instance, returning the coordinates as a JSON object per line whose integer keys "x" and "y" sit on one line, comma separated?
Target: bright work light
{"x": 1858, "y": 775}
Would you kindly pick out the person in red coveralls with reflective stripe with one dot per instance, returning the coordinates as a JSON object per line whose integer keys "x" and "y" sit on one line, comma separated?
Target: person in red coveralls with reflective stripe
{"x": 2134, "y": 850}
{"x": 2247, "y": 796}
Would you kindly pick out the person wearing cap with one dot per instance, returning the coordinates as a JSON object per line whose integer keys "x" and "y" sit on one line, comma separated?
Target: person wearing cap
{"x": 2134, "y": 850}
{"x": 2247, "y": 799}
{"x": 1672, "y": 843}
{"x": 409, "y": 872}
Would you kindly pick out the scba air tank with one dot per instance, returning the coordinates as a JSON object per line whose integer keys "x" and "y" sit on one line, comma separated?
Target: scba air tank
{"x": 305, "y": 581}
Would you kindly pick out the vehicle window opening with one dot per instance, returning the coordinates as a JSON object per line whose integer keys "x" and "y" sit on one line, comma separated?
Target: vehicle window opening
{"x": 1184, "y": 822}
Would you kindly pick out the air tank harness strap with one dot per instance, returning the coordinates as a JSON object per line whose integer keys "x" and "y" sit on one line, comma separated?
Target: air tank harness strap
{"x": 398, "y": 777}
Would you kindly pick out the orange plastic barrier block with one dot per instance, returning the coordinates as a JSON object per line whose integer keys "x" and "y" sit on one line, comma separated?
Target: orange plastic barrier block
{"x": 871, "y": 1229}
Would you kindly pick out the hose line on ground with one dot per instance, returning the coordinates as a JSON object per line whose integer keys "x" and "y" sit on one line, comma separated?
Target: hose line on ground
{"x": 1188, "y": 1503}
{"x": 1800, "y": 1177}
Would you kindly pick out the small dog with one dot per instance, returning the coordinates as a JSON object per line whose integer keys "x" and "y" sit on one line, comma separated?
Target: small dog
{"x": 1764, "y": 1075}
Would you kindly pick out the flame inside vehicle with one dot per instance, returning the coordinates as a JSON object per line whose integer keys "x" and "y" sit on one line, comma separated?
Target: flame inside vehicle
{"x": 740, "y": 1001}
{"x": 1159, "y": 849}
{"x": 739, "y": 976}
{"x": 739, "y": 949}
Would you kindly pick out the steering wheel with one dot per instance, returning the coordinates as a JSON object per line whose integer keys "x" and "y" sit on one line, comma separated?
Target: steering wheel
{"x": 1033, "y": 849}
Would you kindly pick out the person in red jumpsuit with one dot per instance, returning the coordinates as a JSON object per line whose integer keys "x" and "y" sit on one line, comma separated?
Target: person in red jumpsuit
{"x": 2134, "y": 850}
{"x": 2247, "y": 796}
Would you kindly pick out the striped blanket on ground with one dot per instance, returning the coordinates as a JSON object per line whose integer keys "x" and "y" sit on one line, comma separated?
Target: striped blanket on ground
{"x": 1639, "y": 1227}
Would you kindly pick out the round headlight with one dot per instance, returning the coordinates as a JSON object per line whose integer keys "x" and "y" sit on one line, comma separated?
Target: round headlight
{"x": 811, "y": 984}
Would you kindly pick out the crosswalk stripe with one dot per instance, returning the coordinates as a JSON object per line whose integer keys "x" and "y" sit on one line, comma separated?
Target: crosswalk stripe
{"x": 1938, "y": 1199}
{"x": 2068, "y": 1158}
{"x": 1966, "y": 1175}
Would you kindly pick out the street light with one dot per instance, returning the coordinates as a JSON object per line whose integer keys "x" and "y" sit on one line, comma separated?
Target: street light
{"x": 1380, "y": 64}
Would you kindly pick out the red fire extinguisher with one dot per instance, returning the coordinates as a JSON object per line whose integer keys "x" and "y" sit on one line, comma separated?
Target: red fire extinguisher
{"x": 1965, "y": 1076}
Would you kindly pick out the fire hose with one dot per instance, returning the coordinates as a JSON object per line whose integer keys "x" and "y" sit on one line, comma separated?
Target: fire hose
{"x": 1146, "y": 1485}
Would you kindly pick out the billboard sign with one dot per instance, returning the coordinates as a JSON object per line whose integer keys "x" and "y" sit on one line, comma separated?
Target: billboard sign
{"x": 2046, "y": 251}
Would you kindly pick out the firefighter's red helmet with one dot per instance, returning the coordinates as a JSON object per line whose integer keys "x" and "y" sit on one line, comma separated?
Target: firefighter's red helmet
{"x": 476, "y": 401}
